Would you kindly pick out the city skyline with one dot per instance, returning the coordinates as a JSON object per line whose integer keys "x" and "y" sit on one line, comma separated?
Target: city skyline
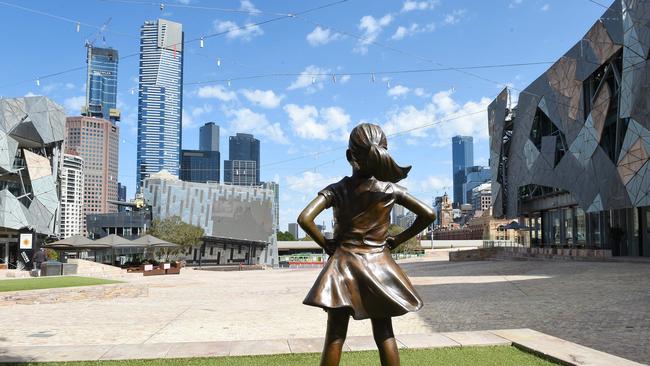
{"x": 297, "y": 116}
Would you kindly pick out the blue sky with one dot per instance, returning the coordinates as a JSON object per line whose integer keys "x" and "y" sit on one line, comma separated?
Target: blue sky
{"x": 302, "y": 121}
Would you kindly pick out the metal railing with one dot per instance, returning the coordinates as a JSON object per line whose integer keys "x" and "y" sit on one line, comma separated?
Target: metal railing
{"x": 502, "y": 244}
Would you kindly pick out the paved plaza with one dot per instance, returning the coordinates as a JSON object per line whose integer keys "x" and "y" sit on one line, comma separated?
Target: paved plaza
{"x": 605, "y": 306}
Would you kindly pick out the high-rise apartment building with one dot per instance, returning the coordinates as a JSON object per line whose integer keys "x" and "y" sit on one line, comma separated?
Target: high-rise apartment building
{"x": 244, "y": 155}
{"x": 101, "y": 84}
{"x": 160, "y": 98}
{"x": 462, "y": 150}
{"x": 96, "y": 140}
{"x": 209, "y": 137}
{"x": 72, "y": 195}
{"x": 294, "y": 230}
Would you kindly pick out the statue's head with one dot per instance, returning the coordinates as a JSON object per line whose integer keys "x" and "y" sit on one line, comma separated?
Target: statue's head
{"x": 368, "y": 154}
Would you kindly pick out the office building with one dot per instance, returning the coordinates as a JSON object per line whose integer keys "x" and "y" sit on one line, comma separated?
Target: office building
{"x": 243, "y": 155}
{"x": 97, "y": 142}
{"x": 482, "y": 197}
{"x": 121, "y": 196}
{"x": 101, "y": 84}
{"x": 462, "y": 150}
{"x": 31, "y": 131}
{"x": 294, "y": 230}
{"x": 475, "y": 176}
{"x": 240, "y": 172}
{"x": 209, "y": 137}
{"x": 200, "y": 166}
{"x": 72, "y": 194}
{"x": 160, "y": 99}
{"x": 238, "y": 221}
{"x": 571, "y": 159}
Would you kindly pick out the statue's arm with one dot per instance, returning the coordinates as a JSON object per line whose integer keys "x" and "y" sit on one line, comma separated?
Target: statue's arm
{"x": 425, "y": 216}
{"x": 307, "y": 216}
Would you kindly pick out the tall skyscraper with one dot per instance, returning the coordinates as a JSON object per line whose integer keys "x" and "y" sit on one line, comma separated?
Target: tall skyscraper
{"x": 72, "y": 194}
{"x": 121, "y": 196}
{"x": 209, "y": 137}
{"x": 474, "y": 176}
{"x": 243, "y": 166}
{"x": 462, "y": 150}
{"x": 200, "y": 166}
{"x": 101, "y": 84}
{"x": 97, "y": 141}
{"x": 293, "y": 229}
{"x": 160, "y": 99}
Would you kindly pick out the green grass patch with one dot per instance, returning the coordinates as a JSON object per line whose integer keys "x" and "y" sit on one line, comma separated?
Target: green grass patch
{"x": 456, "y": 356}
{"x": 39, "y": 283}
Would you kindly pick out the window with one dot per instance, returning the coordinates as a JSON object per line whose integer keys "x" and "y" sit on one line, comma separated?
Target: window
{"x": 543, "y": 127}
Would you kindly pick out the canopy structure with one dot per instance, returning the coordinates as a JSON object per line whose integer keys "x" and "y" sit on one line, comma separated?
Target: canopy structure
{"x": 153, "y": 242}
{"x": 76, "y": 242}
{"x": 114, "y": 241}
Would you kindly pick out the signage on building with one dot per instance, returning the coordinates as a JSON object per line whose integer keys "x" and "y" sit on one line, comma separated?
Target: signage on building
{"x": 26, "y": 241}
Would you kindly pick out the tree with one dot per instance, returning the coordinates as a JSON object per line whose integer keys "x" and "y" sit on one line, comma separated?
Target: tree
{"x": 285, "y": 236}
{"x": 408, "y": 246}
{"x": 174, "y": 230}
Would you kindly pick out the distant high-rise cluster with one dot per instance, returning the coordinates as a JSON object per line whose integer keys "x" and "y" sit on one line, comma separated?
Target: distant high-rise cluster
{"x": 203, "y": 165}
{"x": 160, "y": 98}
{"x": 462, "y": 150}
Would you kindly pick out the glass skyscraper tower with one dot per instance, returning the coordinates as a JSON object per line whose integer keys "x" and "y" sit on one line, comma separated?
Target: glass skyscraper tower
{"x": 101, "y": 84}
{"x": 462, "y": 151}
{"x": 160, "y": 98}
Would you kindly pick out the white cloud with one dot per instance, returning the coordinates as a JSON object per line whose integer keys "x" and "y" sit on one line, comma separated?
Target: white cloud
{"x": 263, "y": 98}
{"x": 440, "y": 119}
{"x": 245, "y": 120}
{"x": 397, "y": 91}
{"x": 344, "y": 79}
{"x": 420, "y": 92}
{"x": 184, "y": 2}
{"x": 217, "y": 92}
{"x": 30, "y": 94}
{"x": 199, "y": 111}
{"x": 73, "y": 104}
{"x": 188, "y": 120}
{"x": 245, "y": 32}
{"x": 309, "y": 182}
{"x": 546, "y": 7}
{"x": 455, "y": 16}
{"x": 410, "y": 5}
{"x": 514, "y": 3}
{"x": 401, "y": 32}
{"x": 311, "y": 78}
{"x": 371, "y": 29}
{"x": 247, "y": 5}
{"x": 310, "y": 123}
{"x": 320, "y": 36}
{"x": 69, "y": 86}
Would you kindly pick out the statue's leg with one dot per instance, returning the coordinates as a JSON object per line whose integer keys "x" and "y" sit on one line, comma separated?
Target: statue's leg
{"x": 382, "y": 330}
{"x": 337, "y": 328}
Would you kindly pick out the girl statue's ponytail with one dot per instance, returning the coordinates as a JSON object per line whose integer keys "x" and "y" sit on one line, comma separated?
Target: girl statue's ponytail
{"x": 368, "y": 149}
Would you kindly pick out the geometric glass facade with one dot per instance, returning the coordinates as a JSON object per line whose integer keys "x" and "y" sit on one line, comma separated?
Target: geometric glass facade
{"x": 571, "y": 159}
{"x": 101, "y": 84}
{"x": 160, "y": 99}
{"x": 209, "y": 137}
{"x": 475, "y": 176}
{"x": 200, "y": 166}
{"x": 462, "y": 150}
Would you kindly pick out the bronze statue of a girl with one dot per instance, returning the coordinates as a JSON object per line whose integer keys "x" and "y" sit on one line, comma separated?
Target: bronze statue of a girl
{"x": 361, "y": 279}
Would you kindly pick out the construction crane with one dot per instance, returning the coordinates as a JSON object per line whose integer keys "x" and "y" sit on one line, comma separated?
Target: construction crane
{"x": 100, "y": 33}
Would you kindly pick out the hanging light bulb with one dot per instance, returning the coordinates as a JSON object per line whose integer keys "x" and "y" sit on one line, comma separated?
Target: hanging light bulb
{"x": 132, "y": 91}
{"x": 372, "y": 77}
{"x": 201, "y": 42}
{"x": 162, "y": 6}
{"x": 334, "y": 78}
{"x": 38, "y": 82}
{"x": 388, "y": 84}
{"x": 218, "y": 62}
{"x": 78, "y": 27}
{"x": 229, "y": 83}
{"x": 313, "y": 80}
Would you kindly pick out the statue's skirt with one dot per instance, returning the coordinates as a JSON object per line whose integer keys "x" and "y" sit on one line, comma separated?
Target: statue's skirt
{"x": 366, "y": 280}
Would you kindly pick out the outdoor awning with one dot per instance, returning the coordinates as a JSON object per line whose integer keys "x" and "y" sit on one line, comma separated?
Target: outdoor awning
{"x": 114, "y": 241}
{"x": 76, "y": 242}
{"x": 153, "y": 242}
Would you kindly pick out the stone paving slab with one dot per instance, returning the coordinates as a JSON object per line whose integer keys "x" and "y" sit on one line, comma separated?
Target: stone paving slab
{"x": 431, "y": 340}
{"x": 264, "y": 347}
{"x": 309, "y": 345}
{"x": 478, "y": 338}
{"x": 199, "y": 349}
{"x": 361, "y": 343}
{"x": 559, "y": 349}
{"x": 137, "y": 351}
